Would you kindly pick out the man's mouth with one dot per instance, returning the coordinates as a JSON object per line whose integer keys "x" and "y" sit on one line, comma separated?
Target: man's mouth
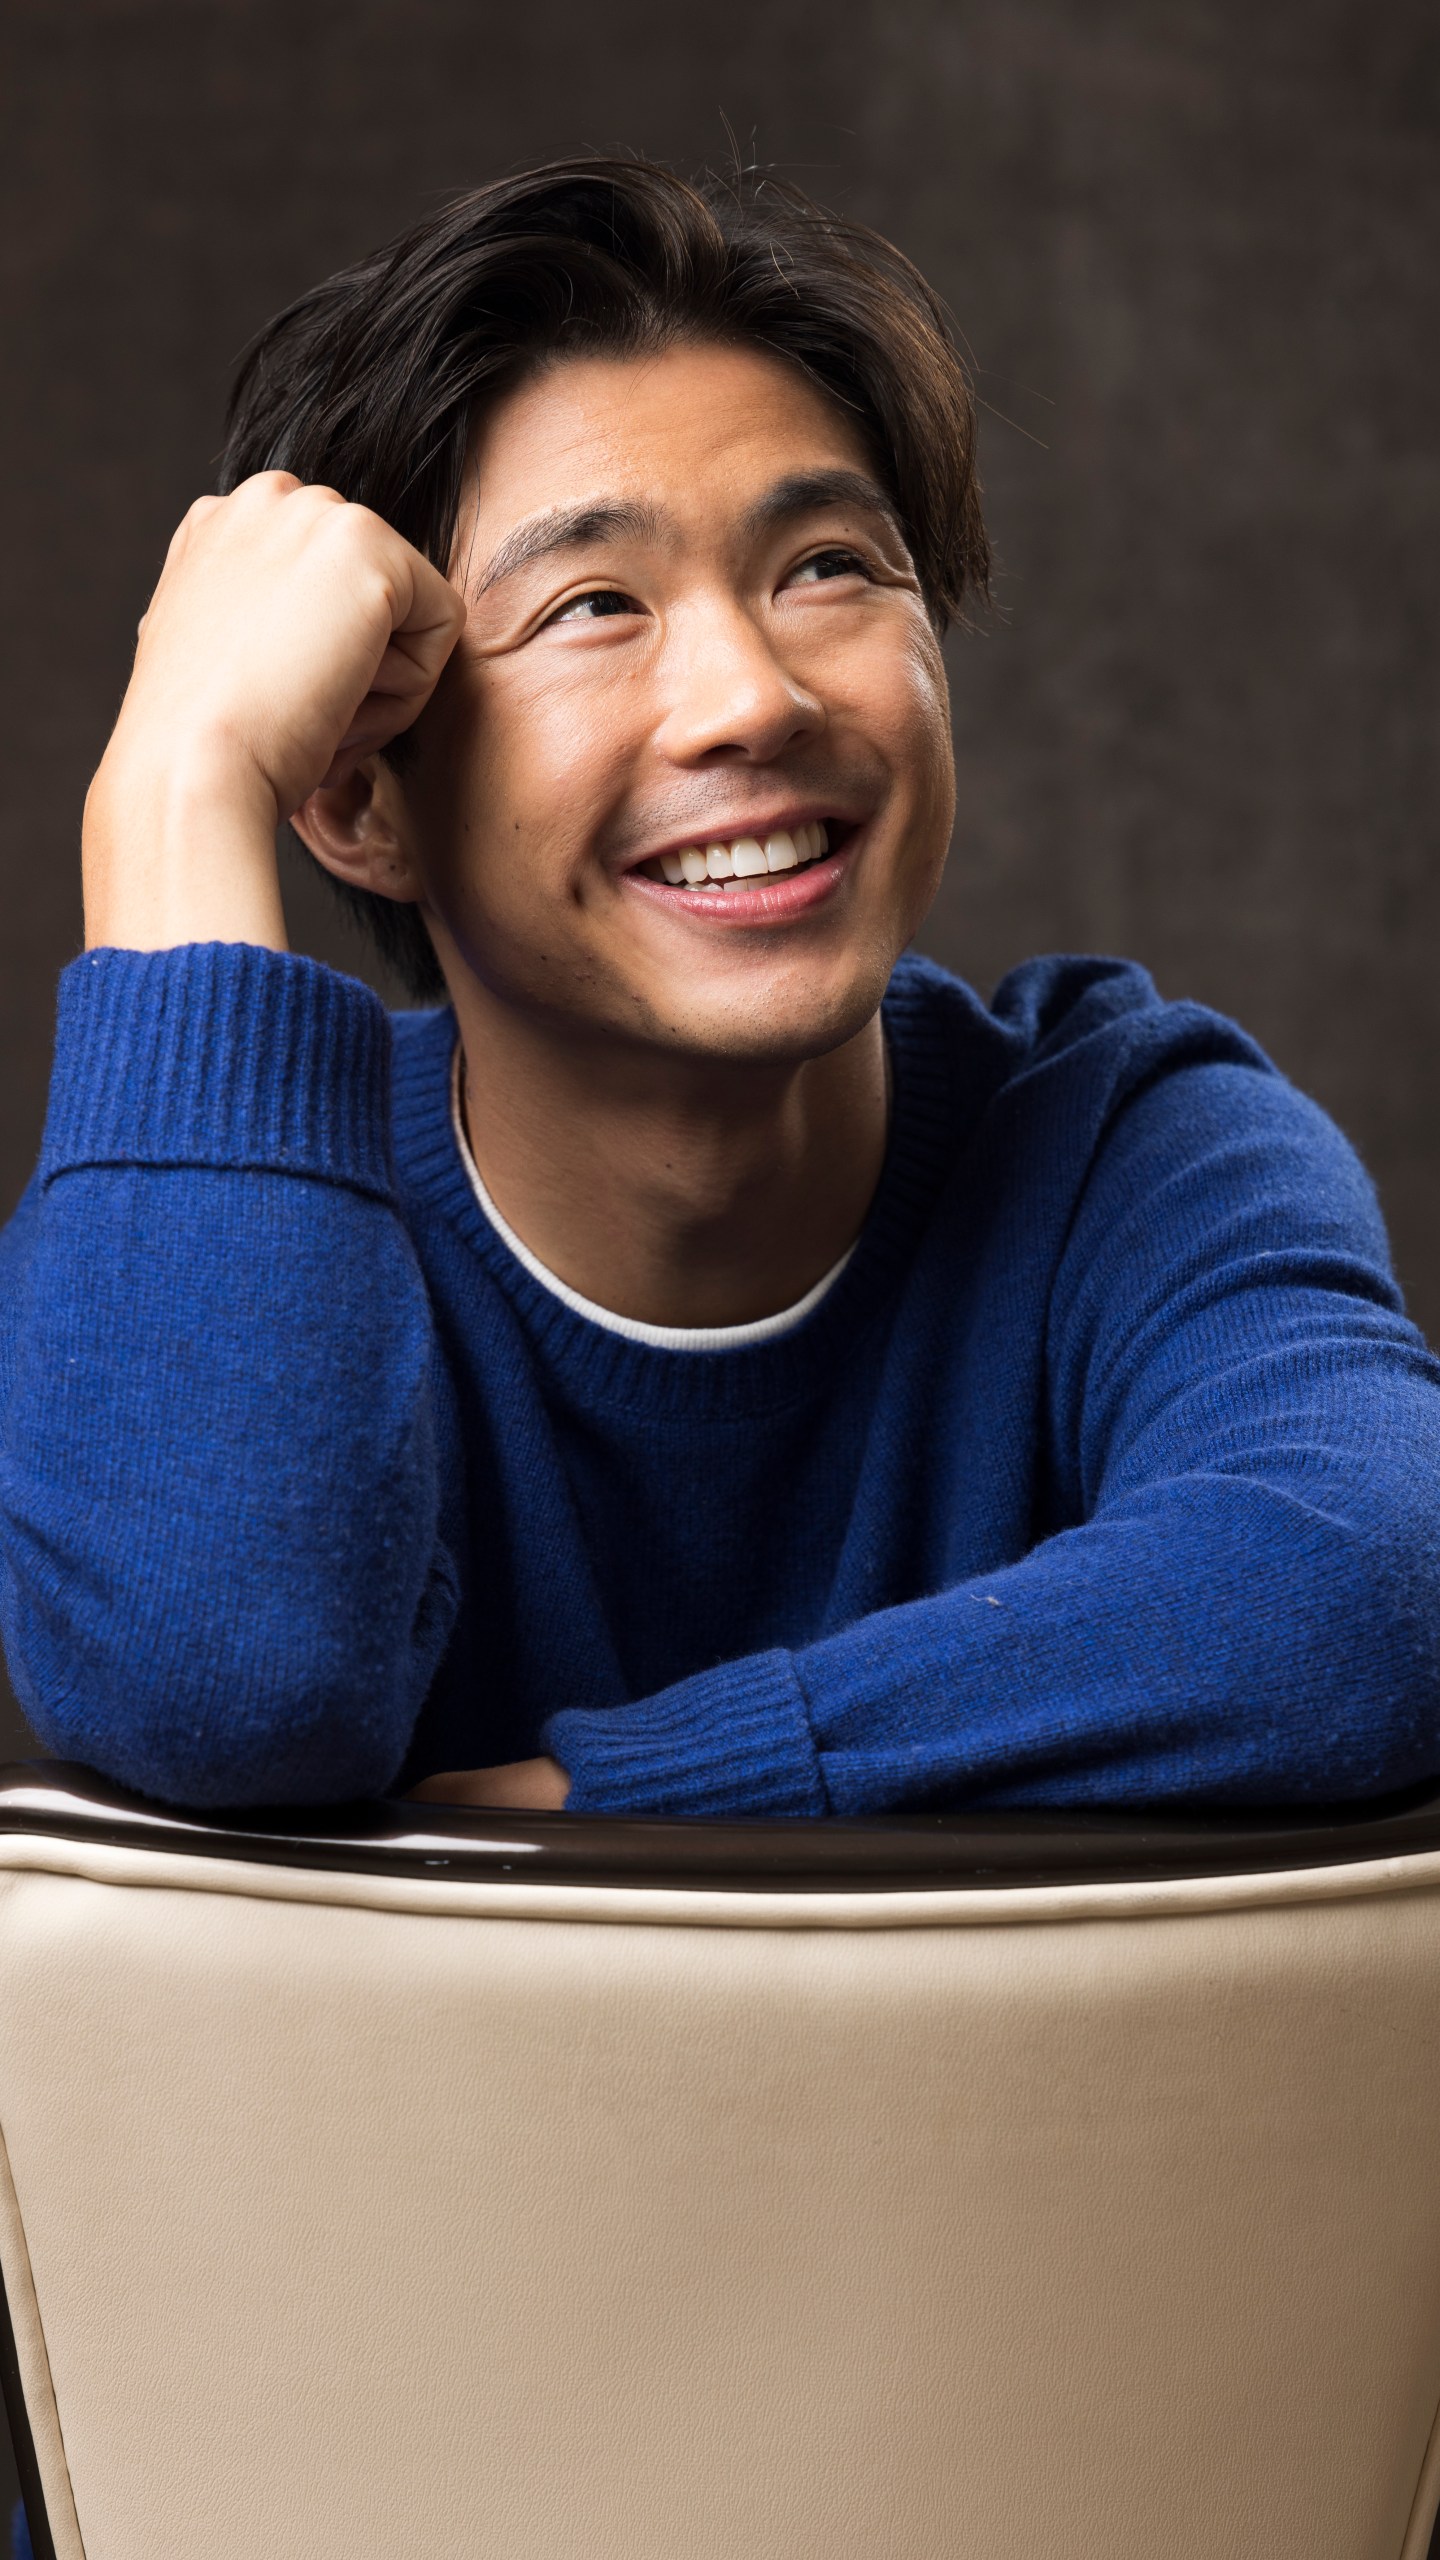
{"x": 741, "y": 862}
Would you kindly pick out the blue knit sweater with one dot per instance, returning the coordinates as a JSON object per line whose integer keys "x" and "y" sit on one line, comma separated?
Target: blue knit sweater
{"x": 1108, "y": 1470}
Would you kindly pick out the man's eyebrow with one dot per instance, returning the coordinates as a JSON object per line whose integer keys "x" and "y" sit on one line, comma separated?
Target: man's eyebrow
{"x": 566, "y": 529}
{"x": 600, "y": 520}
{"x": 803, "y": 493}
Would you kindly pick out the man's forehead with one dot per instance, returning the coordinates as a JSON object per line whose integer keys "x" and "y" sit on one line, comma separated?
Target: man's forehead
{"x": 643, "y": 447}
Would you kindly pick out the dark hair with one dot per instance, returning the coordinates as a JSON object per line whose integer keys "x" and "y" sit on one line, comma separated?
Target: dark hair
{"x": 372, "y": 383}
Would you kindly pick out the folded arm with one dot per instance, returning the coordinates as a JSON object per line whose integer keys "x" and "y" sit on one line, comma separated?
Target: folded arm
{"x": 1242, "y": 1600}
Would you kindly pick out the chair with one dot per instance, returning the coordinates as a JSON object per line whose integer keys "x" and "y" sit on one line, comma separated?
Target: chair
{"x": 407, "y": 2184}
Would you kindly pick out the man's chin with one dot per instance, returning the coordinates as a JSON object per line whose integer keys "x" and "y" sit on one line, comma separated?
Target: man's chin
{"x": 807, "y": 1014}
{"x": 745, "y": 1006}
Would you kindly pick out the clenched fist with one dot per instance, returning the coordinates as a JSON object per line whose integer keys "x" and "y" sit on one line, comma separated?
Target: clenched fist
{"x": 291, "y": 635}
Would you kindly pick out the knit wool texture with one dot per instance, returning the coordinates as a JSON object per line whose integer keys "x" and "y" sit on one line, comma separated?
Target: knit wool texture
{"x": 1107, "y": 1472}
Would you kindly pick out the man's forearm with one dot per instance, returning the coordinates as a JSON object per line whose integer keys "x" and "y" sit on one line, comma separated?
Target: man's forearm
{"x": 1216, "y": 1644}
{"x": 221, "y": 1578}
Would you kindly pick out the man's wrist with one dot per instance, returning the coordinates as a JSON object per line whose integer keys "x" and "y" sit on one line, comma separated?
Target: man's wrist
{"x": 180, "y": 848}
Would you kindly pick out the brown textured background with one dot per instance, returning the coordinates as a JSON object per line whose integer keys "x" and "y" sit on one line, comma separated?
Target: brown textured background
{"x": 1193, "y": 245}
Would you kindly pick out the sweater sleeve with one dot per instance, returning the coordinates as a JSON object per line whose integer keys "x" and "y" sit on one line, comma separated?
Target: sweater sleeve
{"x": 1243, "y": 1601}
{"x": 220, "y": 1577}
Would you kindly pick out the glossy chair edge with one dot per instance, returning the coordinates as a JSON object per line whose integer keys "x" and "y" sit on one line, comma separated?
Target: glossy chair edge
{"x": 909, "y": 1852}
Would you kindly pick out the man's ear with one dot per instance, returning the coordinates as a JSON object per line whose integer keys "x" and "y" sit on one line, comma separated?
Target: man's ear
{"x": 359, "y": 829}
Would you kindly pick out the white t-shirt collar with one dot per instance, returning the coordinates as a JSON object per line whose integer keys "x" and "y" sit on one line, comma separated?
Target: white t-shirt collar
{"x": 659, "y": 1337}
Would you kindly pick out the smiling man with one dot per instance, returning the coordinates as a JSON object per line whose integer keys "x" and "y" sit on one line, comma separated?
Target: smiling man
{"x": 707, "y": 1362}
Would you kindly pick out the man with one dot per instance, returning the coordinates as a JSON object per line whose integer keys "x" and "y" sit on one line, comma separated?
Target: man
{"x": 713, "y": 1364}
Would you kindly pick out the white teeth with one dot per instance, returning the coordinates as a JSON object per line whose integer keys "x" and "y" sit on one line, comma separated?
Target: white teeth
{"x": 715, "y": 865}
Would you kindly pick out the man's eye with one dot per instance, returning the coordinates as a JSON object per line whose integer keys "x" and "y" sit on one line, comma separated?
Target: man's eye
{"x": 834, "y": 563}
{"x": 598, "y": 605}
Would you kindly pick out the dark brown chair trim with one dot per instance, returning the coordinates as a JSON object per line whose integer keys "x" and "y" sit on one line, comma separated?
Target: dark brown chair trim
{"x": 927, "y": 1852}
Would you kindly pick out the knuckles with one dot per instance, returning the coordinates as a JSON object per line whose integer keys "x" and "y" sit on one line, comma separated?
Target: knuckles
{"x": 232, "y": 557}
{"x": 263, "y": 485}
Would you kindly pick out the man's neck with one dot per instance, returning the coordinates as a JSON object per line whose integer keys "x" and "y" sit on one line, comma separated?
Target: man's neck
{"x": 673, "y": 1190}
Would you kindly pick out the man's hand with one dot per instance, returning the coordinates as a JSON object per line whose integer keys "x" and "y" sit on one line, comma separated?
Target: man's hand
{"x": 290, "y": 636}
{"x": 527, "y": 1786}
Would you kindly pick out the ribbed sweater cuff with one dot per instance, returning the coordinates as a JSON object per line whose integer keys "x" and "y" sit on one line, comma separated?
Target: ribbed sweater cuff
{"x": 223, "y": 1054}
{"x": 735, "y": 1740}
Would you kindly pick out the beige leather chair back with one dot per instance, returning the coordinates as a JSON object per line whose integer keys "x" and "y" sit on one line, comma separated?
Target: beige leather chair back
{"x": 480, "y": 2214}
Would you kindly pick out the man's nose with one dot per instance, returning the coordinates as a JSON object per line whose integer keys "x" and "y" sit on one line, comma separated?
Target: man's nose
{"x": 729, "y": 696}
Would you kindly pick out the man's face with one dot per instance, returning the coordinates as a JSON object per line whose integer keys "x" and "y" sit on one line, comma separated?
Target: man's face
{"x": 694, "y": 624}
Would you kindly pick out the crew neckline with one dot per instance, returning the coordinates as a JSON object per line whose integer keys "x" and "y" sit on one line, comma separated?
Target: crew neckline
{"x": 657, "y": 1337}
{"x": 949, "y": 1057}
